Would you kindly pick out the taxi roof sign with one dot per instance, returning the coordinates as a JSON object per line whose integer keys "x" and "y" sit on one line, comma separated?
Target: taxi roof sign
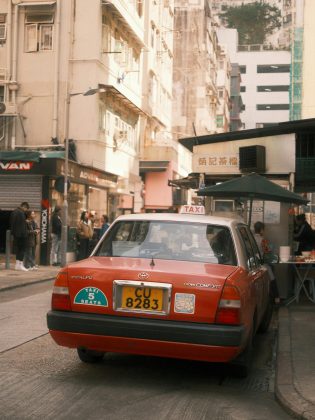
{"x": 191, "y": 209}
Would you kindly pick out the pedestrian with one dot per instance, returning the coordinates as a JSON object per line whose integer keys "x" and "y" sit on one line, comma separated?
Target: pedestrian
{"x": 303, "y": 234}
{"x": 19, "y": 232}
{"x": 265, "y": 249}
{"x": 56, "y": 225}
{"x": 84, "y": 234}
{"x": 104, "y": 225}
{"x": 29, "y": 260}
{"x": 36, "y": 230}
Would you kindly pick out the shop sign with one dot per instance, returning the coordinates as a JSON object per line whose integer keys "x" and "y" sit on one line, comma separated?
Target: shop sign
{"x": 95, "y": 179}
{"x": 16, "y": 166}
{"x": 88, "y": 176}
{"x": 216, "y": 163}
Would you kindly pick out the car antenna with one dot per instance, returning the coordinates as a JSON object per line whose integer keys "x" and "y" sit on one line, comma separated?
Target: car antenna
{"x": 152, "y": 263}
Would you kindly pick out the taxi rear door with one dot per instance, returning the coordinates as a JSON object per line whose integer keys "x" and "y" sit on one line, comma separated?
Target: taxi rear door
{"x": 258, "y": 277}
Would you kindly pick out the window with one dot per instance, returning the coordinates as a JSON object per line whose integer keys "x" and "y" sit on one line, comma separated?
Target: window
{"x": 140, "y": 7}
{"x": 262, "y": 125}
{"x": 247, "y": 245}
{"x": 273, "y": 88}
{"x": 106, "y": 35}
{"x": 152, "y": 35}
{"x": 243, "y": 88}
{"x": 3, "y": 28}
{"x": 273, "y": 68}
{"x": 38, "y": 32}
{"x": 2, "y": 93}
{"x": 242, "y": 69}
{"x": 170, "y": 240}
{"x": 272, "y": 107}
{"x": 219, "y": 121}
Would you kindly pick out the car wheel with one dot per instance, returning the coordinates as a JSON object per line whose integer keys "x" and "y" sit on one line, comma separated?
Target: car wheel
{"x": 90, "y": 356}
{"x": 266, "y": 319}
{"x": 241, "y": 366}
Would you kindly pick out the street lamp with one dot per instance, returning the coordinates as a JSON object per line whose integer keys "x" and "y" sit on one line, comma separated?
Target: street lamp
{"x": 64, "y": 230}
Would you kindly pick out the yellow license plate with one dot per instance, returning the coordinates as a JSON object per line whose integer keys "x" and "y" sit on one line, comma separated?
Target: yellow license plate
{"x": 142, "y": 298}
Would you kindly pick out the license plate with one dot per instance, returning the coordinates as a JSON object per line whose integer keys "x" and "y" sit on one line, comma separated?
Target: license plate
{"x": 142, "y": 298}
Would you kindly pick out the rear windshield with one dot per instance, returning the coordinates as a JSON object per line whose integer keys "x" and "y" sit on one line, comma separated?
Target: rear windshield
{"x": 169, "y": 240}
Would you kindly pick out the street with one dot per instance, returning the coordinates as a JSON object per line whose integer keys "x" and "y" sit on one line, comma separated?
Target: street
{"x": 41, "y": 380}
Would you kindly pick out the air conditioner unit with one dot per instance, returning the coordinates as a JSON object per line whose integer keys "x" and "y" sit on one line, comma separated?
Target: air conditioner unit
{"x": 252, "y": 159}
{"x": 8, "y": 108}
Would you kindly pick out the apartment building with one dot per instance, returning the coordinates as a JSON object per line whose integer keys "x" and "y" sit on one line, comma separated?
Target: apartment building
{"x": 224, "y": 82}
{"x": 79, "y": 70}
{"x": 195, "y": 69}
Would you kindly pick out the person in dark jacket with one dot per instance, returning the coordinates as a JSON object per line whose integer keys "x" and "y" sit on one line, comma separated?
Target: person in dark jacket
{"x": 29, "y": 260}
{"x": 303, "y": 234}
{"x": 56, "y": 226}
{"x": 19, "y": 232}
{"x": 105, "y": 225}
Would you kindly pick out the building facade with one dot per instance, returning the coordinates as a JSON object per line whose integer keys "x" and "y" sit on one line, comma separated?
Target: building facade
{"x": 83, "y": 71}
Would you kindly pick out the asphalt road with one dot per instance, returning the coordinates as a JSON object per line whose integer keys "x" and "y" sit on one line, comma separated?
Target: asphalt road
{"x": 40, "y": 380}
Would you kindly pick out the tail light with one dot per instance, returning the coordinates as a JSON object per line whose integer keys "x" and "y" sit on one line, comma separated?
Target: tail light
{"x": 60, "y": 300}
{"x": 229, "y": 310}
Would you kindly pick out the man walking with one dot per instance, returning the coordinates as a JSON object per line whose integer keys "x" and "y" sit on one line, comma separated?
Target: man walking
{"x": 56, "y": 224}
{"x": 19, "y": 232}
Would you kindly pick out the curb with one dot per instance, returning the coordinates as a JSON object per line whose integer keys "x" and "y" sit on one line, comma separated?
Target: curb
{"x": 286, "y": 394}
{"x": 15, "y": 286}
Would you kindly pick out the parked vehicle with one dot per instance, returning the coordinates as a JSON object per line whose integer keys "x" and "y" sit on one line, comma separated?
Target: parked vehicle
{"x": 170, "y": 285}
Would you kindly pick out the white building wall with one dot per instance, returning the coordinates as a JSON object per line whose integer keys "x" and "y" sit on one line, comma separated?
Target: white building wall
{"x": 251, "y": 116}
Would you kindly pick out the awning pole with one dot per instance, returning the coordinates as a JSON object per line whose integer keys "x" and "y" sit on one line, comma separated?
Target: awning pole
{"x": 250, "y": 212}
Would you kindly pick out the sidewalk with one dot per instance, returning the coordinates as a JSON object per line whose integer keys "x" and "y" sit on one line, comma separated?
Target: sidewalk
{"x": 295, "y": 366}
{"x": 295, "y": 375}
{"x": 10, "y": 279}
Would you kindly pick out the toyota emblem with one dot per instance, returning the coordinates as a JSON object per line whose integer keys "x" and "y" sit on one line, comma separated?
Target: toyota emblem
{"x": 143, "y": 275}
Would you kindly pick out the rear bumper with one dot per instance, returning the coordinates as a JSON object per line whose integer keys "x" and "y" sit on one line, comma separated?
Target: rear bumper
{"x": 145, "y": 329}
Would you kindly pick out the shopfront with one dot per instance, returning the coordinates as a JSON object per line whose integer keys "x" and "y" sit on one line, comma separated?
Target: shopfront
{"x": 26, "y": 176}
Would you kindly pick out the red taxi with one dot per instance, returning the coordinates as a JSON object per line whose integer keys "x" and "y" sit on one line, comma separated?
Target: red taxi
{"x": 170, "y": 285}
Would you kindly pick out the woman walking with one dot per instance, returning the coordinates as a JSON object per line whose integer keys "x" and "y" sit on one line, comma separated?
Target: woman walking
{"x": 84, "y": 233}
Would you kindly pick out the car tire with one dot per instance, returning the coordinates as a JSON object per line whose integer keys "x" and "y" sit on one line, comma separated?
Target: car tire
{"x": 90, "y": 356}
{"x": 241, "y": 366}
{"x": 266, "y": 319}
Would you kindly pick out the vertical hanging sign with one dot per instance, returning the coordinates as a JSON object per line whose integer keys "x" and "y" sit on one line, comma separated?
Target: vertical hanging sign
{"x": 44, "y": 223}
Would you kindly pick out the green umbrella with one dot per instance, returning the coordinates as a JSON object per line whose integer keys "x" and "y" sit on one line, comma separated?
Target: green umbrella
{"x": 252, "y": 187}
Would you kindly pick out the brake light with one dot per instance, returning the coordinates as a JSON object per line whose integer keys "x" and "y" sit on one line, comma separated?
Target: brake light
{"x": 229, "y": 310}
{"x": 60, "y": 299}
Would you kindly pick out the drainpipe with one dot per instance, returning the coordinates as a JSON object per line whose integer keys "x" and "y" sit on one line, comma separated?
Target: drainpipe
{"x": 8, "y": 66}
{"x": 56, "y": 72}
{"x": 9, "y": 41}
{"x": 14, "y": 68}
